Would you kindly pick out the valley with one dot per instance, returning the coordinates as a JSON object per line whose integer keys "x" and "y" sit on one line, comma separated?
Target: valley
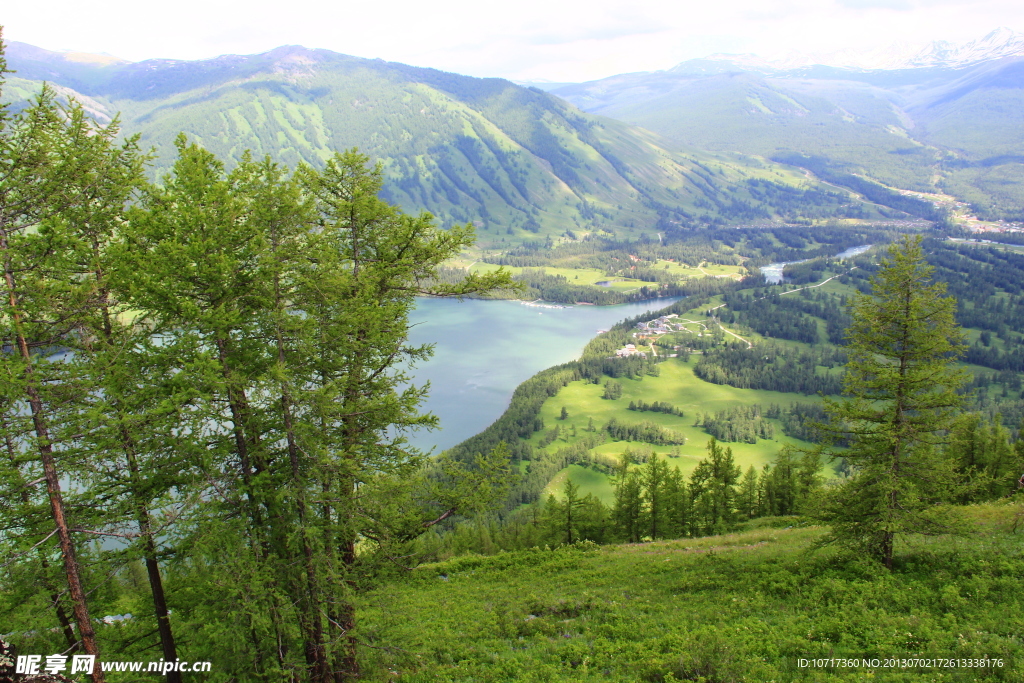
{"x": 748, "y": 365}
{"x": 485, "y": 349}
{"x": 926, "y": 124}
{"x": 589, "y": 381}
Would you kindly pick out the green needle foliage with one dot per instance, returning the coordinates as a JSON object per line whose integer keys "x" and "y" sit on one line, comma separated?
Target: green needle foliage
{"x": 901, "y": 384}
{"x": 63, "y": 184}
{"x": 211, "y": 375}
{"x": 294, "y": 293}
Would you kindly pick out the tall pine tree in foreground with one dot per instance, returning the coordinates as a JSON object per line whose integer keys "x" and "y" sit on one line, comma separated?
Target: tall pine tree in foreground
{"x": 293, "y": 292}
{"x": 901, "y": 396}
{"x": 62, "y": 176}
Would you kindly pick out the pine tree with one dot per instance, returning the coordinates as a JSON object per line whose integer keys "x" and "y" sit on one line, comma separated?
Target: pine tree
{"x": 901, "y": 387}
{"x": 713, "y": 489}
{"x": 985, "y": 461}
{"x": 1002, "y": 462}
{"x": 746, "y": 500}
{"x": 570, "y": 508}
{"x": 628, "y": 509}
{"x": 293, "y": 294}
{"x": 654, "y": 479}
{"x": 678, "y": 504}
{"x": 55, "y": 166}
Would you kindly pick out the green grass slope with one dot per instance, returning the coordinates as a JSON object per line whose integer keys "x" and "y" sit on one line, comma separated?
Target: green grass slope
{"x": 746, "y": 606}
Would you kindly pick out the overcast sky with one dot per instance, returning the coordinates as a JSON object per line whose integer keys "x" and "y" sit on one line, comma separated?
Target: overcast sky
{"x": 556, "y": 40}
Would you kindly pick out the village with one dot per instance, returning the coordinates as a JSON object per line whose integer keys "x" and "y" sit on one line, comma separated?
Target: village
{"x": 654, "y": 328}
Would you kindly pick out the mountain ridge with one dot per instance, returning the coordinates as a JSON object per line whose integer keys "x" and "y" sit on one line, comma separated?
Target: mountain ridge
{"x": 518, "y": 162}
{"x": 997, "y": 44}
{"x": 957, "y": 130}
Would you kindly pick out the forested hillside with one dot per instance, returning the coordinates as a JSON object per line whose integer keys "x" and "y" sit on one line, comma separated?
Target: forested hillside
{"x": 517, "y": 162}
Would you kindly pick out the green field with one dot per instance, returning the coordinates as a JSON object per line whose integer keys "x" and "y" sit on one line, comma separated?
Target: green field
{"x": 676, "y": 385}
{"x": 575, "y": 276}
{"x": 740, "y": 607}
{"x": 719, "y": 270}
{"x": 592, "y": 276}
{"x": 590, "y": 481}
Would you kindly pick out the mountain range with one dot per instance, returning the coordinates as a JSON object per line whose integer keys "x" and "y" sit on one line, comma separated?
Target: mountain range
{"x": 1002, "y": 42}
{"x": 520, "y": 163}
{"x": 944, "y": 118}
{"x": 720, "y": 140}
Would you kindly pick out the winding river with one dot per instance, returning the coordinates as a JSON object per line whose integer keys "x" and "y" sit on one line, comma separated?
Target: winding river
{"x": 773, "y": 271}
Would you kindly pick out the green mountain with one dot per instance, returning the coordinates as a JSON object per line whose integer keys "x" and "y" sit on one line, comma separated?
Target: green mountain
{"x": 518, "y": 162}
{"x": 934, "y": 128}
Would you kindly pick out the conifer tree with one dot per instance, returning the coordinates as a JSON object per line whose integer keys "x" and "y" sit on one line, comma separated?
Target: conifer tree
{"x": 713, "y": 488}
{"x": 901, "y": 387}
{"x": 654, "y": 479}
{"x": 628, "y": 509}
{"x": 985, "y": 462}
{"x": 293, "y": 294}
{"x": 747, "y": 498}
{"x": 678, "y": 504}
{"x": 571, "y": 506}
{"x": 55, "y": 164}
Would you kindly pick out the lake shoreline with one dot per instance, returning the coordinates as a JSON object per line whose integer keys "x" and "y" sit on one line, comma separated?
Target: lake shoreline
{"x": 485, "y": 349}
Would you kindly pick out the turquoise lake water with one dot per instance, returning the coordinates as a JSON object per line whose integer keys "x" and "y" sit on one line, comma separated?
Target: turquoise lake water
{"x": 485, "y": 349}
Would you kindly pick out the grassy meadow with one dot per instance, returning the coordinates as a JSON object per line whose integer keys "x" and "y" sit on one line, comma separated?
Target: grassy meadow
{"x": 745, "y": 606}
{"x": 592, "y": 276}
{"x": 676, "y": 385}
{"x": 575, "y": 276}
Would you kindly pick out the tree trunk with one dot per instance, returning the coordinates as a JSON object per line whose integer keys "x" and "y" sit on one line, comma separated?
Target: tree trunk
{"x": 87, "y": 635}
{"x": 62, "y": 617}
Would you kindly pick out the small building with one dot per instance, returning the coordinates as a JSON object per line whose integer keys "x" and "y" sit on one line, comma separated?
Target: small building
{"x": 630, "y": 350}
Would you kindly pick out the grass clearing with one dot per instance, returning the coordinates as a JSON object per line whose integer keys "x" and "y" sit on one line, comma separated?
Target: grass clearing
{"x": 590, "y": 482}
{"x": 719, "y": 270}
{"x": 739, "y": 607}
{"x": 676, "y": 385}
{"x": 575, "y": 276}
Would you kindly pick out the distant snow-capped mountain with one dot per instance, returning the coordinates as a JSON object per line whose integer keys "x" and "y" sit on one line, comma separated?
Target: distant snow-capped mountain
{"x": 1002, "y": 42}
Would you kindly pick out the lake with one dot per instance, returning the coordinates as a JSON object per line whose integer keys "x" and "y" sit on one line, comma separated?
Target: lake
{"x": 485, "y": 349}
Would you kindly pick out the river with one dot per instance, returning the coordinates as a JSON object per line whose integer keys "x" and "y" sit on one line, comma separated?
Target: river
{"x": 773, "y": 271}
{"x": 485, "y": 349}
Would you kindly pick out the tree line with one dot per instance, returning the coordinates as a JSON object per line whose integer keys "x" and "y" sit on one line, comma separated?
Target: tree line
{"x": 772, "y": 367}
{"x": 644, "y": 432}
{"x": 653, "y": 500}
{"x": 691, "y": 247}
{"x": 739, "y": 423}
{"x": 656, "y": 407}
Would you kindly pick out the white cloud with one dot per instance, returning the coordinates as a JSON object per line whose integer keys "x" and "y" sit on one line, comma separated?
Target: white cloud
{"x": 552, "y": 39}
